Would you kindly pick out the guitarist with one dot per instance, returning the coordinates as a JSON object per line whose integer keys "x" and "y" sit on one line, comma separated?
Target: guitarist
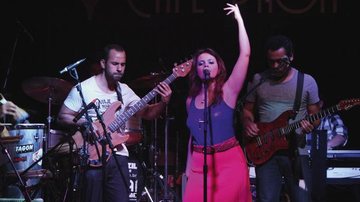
{"x": 107, "y": 88}
{"x": 268, "y": 101}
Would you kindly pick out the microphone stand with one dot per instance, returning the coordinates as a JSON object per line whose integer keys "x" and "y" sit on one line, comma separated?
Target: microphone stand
{"x": 240, "y": 103}
{"x": 21, "y": 30}
{"x": 90, "y": 135}
{"x": 104, "y": 142}
{"x": 22, "y": 186}
{"x": 205, "y": 168}
{"x": 10, "y": 62}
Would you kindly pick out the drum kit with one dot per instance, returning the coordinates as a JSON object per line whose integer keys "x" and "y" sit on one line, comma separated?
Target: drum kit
{"x": 28, "y": 144}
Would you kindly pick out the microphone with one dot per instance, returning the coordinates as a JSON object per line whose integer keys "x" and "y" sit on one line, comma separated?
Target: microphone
{"x": 86, "y": 108}
{"x": 206, "y": 74}
{"x": 72, "y": 66}
{"x": 285, "y": 60}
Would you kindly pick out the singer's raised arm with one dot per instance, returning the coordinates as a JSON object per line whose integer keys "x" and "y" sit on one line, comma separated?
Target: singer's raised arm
{"x": 236, "y": 80}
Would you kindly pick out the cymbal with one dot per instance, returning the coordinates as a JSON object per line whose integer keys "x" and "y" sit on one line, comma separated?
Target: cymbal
{"x": 10, "y": 139}
{"x": 149, "y": 81}
{"x": 47, "y": 89}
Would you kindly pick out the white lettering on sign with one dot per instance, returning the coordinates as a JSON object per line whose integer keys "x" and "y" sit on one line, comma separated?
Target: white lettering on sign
{"x": 24, "y": 148}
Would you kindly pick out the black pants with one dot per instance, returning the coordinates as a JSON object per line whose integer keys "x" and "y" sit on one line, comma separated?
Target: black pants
{"x": 115, "y": 188}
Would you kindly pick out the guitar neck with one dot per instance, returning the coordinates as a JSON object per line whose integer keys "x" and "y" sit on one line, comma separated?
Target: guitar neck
{"x": 310, "y": 118}
{"x": 121, "y": 119}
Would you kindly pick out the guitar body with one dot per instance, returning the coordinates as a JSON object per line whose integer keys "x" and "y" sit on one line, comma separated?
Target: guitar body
{"x": 261, "y": 148}
{"x": 117, "y": 138}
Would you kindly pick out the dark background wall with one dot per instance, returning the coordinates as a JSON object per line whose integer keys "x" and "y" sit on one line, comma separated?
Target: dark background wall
{"x": 157, "y": 33}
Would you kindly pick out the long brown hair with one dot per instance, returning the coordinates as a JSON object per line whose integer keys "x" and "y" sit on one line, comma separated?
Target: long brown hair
{"x": 195, "y": 82}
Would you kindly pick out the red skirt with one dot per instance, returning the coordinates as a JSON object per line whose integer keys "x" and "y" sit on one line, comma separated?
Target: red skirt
{"x": 227, "y": 178}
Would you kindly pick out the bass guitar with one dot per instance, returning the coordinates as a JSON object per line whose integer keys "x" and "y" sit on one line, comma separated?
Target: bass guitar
{"x": 272, "y": 136}
{"x": 114, "y": 122}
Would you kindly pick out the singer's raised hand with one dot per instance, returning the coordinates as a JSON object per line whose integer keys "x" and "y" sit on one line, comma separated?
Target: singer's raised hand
{"x": 233, "y": 8}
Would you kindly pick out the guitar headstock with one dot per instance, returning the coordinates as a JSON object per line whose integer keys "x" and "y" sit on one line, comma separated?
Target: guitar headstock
{"x": 347, "y": 104}
{"x": 182, "y": 69}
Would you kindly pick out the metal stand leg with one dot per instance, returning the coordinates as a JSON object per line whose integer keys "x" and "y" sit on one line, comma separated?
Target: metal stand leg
{"x": 146, "y": 191}
{"x": 22, "y": 185}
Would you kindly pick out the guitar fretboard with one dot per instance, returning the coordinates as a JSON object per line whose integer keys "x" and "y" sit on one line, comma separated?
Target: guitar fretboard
{"x": 121, "y": 119}
{"x": 310, "y": 118}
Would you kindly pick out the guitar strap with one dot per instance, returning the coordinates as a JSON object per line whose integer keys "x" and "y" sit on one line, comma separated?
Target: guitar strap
{"x": 294, "y": 139}
{"x": 118, "y": 92}
{"x": 299, "y": 89}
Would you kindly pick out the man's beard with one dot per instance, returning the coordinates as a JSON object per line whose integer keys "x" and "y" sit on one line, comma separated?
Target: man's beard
{"x": 117, "y": 77}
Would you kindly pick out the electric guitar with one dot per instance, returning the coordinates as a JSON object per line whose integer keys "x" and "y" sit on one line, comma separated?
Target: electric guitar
{"x": 114, "y": 122}
{"x": 272, "y": 136}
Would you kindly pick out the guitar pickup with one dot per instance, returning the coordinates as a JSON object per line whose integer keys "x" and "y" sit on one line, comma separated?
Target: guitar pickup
{"x": 258, "y": 141}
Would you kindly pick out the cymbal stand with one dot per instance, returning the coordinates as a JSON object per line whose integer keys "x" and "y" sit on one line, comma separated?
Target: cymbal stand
{"x": 49, "y": 118}
{"x": 166, "y": 186}
{"x": 22, "y": 186}
{"x": 144, "y": 168}
{"x": 155, "y": 150}
{"x": 158, "y": 178}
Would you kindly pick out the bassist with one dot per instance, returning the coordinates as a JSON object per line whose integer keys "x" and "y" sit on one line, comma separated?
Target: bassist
{"x": 106, "y": 88}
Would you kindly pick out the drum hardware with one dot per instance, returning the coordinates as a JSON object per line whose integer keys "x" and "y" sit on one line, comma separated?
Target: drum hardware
{"x": 25, "y": 152}
{"x": 156, "y": 154}
{"x": 158, "y": 180}
{"x": 47, "y": 90}
{"x": 166, "y": 187}
{"x": 43, "y": 88}
{"x": 54, "y": 150}
{"x": 169, "y": 193}
{"x": 22, "y": 186}
{"x": 133, "y": 128}
{"x": 148, "y": 81}
{"x": 25, "y": 146}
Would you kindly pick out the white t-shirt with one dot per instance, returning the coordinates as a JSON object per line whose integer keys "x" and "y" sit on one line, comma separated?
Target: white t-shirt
{"x": 91, "y": 91}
